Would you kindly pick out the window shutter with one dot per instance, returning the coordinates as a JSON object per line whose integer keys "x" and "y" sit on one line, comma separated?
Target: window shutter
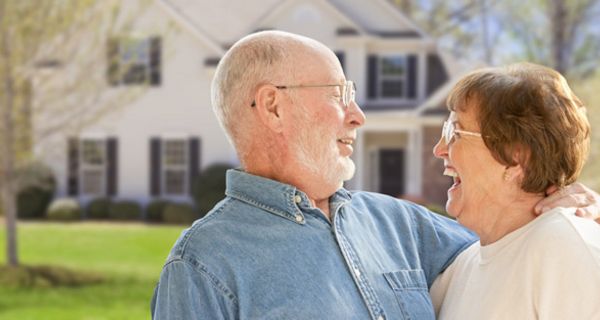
{"x": 194, "y": 163}
{"x": 73, "y": 167}
{"x": 111, "y": 166}
{"x": 112, "y": 61}
{"x": 155, "y": 61}
{"x": 372, "y": 73}
{"x": 342, "y": 57}
{"x": 155, "y": 170}
{"x": 412, "y": 76}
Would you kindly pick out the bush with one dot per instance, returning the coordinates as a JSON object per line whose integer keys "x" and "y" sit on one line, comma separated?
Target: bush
{"x": 64, "y": 209}
{"x": 36, "y": 186}
{"x": 125, "y": 210}
{"x": 156, "y": 209}
{"x": 98, "y": 208}
{"x": 179, "y": 213}
{"x": 209, "y": 187}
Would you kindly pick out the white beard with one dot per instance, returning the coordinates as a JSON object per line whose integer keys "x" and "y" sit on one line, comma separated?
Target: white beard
{"x": 323, "y": 159}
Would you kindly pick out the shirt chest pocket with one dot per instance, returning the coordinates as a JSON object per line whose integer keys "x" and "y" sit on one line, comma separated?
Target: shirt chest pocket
{"x": 410, "y": 288}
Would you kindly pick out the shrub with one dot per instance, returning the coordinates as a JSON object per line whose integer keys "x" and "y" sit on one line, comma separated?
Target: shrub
{"x": 36, "y": 186}
{"x": 64, "y": 209}
{"x": 179, "y": 213}
{"x": 209, "y": 187}
{"x": 125, "y": 210}
{"x": 98, "y": 208}
{"x": 155, "y": 210}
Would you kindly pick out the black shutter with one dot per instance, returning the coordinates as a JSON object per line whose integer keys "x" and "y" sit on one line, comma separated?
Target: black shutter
{"x": 372, "y": 73}
{"x": 342, "y": 57}
{"x": 112, "y": 157}
{"x": 73, "y": 167}
{"x": 155, "y": 170}
{"x": 112, "y": 61}
{"x": 194, "y": 163}
{"x": 412, "y": 76}
{"x": 155, "y": 61}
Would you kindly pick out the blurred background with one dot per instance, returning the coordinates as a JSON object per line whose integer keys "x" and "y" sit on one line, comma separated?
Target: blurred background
{"x": 109, "y": 147}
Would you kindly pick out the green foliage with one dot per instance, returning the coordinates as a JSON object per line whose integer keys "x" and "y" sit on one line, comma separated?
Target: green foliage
{"x": 209, "y": 187}
{"x": 36, "y": 186}
{"x": 45, "y": 276}
{"x": 155, "y": 210}
{"x": 64, "y": 209}
{"x": 98, "y": 208}
{"x": 179, "y": 213}
{"x": 125, "y": 210}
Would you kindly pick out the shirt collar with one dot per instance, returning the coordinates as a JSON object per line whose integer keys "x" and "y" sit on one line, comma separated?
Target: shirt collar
{"x": 275, "y": 197}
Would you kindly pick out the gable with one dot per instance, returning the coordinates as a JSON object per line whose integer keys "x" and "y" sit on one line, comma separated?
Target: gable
{"x": 377, "y": 17}
{"x": 317, "y": 19}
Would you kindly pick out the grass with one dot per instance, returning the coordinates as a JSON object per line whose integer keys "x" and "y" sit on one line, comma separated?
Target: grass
{"x": 130, "y": 256}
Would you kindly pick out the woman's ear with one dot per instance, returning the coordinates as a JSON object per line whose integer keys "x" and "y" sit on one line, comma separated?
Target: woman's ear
{"x": 267, "y": 104}
{"x": 516, "y": 170}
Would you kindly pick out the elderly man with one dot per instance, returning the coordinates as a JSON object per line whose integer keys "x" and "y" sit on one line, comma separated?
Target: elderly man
{"x": 288, "y": 242}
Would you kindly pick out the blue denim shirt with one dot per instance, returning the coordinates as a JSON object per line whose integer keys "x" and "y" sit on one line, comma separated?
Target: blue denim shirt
{"x": 265, "y": 253}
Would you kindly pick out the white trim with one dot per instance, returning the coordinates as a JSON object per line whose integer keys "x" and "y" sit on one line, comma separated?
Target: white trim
{"x": 279, "y": 8}
{"x": 400, "y": 17}
{"x": 189, "y": 25}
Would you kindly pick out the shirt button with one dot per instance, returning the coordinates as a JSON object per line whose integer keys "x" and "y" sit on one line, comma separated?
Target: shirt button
{"x": 299, "y": 218}
{"x": 357, "y": 272}
{"x": 380, "y": 318}
{"x": 297, "y": 199}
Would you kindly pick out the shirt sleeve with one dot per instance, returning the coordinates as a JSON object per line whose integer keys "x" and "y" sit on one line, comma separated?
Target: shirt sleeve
{"x": 189, "y": 291}
{"x": 440, "y": 241}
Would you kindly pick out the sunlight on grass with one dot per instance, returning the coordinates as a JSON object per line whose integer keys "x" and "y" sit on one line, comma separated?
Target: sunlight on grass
{"x": 129, "y": 255}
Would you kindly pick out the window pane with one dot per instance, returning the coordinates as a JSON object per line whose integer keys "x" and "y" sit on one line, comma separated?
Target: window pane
{"x": 93, "y": 152}
{"x": 394, "y": 66}
{"x": 174, "y": 153}
{"x": 92, "y": 181}
{"x": 392, "y": 88}
{"x": 175, "y": 181}
{"x": 135, "y": 60}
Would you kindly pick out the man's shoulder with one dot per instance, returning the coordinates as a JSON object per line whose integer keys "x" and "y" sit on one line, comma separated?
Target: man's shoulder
{"x": 209, "y": 232}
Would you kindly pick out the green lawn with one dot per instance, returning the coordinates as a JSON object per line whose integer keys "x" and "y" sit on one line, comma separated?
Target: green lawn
{"x": 129, "y": 255}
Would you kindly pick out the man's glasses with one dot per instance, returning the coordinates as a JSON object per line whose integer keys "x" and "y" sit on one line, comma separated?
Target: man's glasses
{"x": 348, "y": 90}
{"x": 449, "y": 131}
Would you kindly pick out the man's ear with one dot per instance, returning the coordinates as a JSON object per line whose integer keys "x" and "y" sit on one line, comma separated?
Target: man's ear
{"x": 267, "y": 103}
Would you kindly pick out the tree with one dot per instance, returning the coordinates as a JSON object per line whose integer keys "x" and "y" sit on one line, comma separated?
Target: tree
{"x": 556, "y": 33}
{"x": 39, "y": 39}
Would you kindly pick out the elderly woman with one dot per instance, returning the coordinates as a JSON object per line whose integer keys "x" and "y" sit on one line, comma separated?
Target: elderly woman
{"x": 512, "y": 133}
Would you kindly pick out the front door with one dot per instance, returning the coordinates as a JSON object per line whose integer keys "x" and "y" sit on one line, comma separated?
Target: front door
{"x": 391, "y": 172}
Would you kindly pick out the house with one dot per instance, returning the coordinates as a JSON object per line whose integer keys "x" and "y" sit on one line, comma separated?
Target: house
{"x": 153, "y": 146}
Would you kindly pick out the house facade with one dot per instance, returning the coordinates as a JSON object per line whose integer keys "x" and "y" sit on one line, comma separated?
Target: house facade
{"x": 157, "y": 143}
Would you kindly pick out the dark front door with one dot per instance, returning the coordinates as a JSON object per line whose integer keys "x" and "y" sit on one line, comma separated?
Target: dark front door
{"x": 391, "y": 172}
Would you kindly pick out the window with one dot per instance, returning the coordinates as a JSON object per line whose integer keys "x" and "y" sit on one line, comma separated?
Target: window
{"x": 134, "y": 61}
{"x": 392, "y": 79}
{"x": 175, "y": 164}
{"x": 93, "y": 167}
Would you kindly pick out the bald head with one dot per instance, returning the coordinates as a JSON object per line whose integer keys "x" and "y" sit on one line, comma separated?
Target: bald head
{"x": 259, "y": 58}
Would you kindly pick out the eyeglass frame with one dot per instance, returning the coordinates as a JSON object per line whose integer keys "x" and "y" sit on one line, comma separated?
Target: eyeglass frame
{"x": 449, "y": 128}
{"x": 351, "y": 96}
